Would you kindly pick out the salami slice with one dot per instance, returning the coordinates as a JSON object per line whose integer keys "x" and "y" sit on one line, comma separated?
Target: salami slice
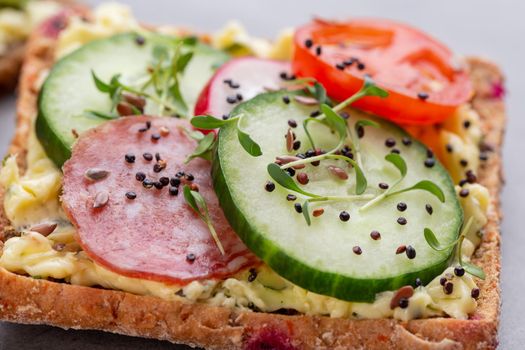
{"x": 120, "y": 191}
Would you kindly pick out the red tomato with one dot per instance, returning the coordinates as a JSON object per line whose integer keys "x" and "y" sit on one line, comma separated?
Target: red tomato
{"x": 424, "y": 84}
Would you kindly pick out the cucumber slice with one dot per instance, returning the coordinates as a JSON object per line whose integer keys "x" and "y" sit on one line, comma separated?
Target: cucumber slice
{"x": 69, "y": 90}
{"x": 320, "y": 257}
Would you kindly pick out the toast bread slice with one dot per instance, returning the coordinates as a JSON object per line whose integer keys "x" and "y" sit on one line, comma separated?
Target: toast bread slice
{"x": 32, "y": 301}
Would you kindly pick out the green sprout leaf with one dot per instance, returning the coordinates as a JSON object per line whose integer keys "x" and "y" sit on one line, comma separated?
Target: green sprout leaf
{"x": 282, "y": 178}
{"x": 365, "y": 122}
{"x": 182, "y": 62}
{"x": 207, "y": 122}
{"x": 398, "y": 162}
{"x": 319, "y": 93}
{"x": 248, "y": 143}
{"x": 424, "y": 185}
{"x": 334, "y": 120}
{"x": 433, "y": 242}
{"x": 473, "y": 270}
{"x": 101, "y": 86}
{"x": 101, "y": 115}
{"x": 198, "y": 204}
{"x": 203, "y": 148}
{"x": 371, "y": 89}
{"x": 189, "y": 41}
{"x": 178, "y": 100}
{"x": 306, "y": 213}
{"x": 360, "y": 180}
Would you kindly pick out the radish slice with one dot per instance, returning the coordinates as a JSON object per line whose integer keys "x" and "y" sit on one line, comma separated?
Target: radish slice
{"x": 239, "y": 80}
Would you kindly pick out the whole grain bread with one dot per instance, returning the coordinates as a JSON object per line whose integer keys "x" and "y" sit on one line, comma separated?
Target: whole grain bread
{"x": 31, "y": 301}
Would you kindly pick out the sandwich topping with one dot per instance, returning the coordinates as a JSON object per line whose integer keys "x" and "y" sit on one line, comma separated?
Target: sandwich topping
{"x": 301, "y": 204}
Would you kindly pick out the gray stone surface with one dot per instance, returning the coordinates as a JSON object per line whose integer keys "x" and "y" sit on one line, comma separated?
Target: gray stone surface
{"x": 487, "y": 28}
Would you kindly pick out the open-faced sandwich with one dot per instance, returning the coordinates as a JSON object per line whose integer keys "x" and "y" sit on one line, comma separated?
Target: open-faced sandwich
{"x": 335, "y": 189}
{"x": 17, "y": 19}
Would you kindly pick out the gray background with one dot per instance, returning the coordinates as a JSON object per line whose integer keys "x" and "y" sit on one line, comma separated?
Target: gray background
{"x": 494, "y": 29}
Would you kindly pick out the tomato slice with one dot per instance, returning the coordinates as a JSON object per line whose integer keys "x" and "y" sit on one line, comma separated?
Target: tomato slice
{"x": 424, "y": 83}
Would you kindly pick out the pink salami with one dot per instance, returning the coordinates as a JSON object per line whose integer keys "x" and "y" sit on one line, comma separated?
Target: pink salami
{"x": 120, "y": 191}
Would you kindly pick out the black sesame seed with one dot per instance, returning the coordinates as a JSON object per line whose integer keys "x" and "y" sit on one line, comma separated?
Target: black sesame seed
{"x": 253, "y": 275}
{"x": 448, "y": 288}
{"x": 189, "y": 177}
{"x": 483, "y": 156}
{"x": 401, "y": 206}
{"x": 466, "y": 124}
{"x": 130, "y": 158}
{"x": 231, "y": 99}
{"x": 227, "y": 81}
{"x": 471, "y": 177}
{"x": 234, "y": 85}
{"x": 401, "y": 220}
{"x": 411, "y": 252}
{"x": 292, "y": 123}
{"x": 296, "y": 145}
{"x": 383, "y": 186}
{"x": 148, "y": 156}
{"x": 357, "y": 250}
{"x": 173, "y": 190}
{"x": 350, "y": 61}
{"x": 430, "y": 154}
{"x": 175, "y": 181}
{"x": 442, "y": 281}
{"x": 316, "y": 163}
{"x": 462, "y": 182}
{"x": 158, "y": 185}
{"x": 395, "y": 150}
{"x": 308, "y": 43}
{"x": 147, "y": 183}
{"x": 418, "y": 282}
{"x": 474, "y": 293}
{"x": 139, "y": 40}
{"x": 360, "y": 131}
{"x": 269, "y": 186}
{"x": 430, "y": 162}
{"x": 390, "y": 142}
{"x": 143, "y": 129}
{"x": 190, "y": 257}
{"x": 164, "y": 181}
{"x": 318, "y": 50}
{"x": 283, "y": 75}
{"x": 422, "y": 96}
{"x": 131, "y": 195}
{"x": 315, "y": 114}
{"x": 361, "y": 66}
{"x": 157, "y": 157}
{"x": 225, "y": 117}
{"x": 286, "y": 99}
{"x": 403, "y": 303}
{"x": 344, "y": 216}
{"x": 291, "y": 197}
{"x": 406, "y": 141}
{"x": 157, "y": 168}
{"x": 140, "y": 176}
{"x": 180, "y": 174}
{"x": 310, "y": 153}
{"x": 459, "y": 271}
{"x": 298, "y": 208}
{"x": 290, "y": 171}
{"x": 148, "y": 124}
{"x": 239, "y": 97}
{"x": 429, "y": 209}
{"x": 449, "y": 148}
{"x": 463, "y": 162}
{"x": 464, "y": 192}
{"x": 340, "y": 66}
{"x": 375, "y": 235}
{"x": 155, "y": 137}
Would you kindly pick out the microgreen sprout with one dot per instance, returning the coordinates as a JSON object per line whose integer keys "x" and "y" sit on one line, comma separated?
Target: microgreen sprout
{"x": 433, "y": 242}
{"x": 198, "y": 204}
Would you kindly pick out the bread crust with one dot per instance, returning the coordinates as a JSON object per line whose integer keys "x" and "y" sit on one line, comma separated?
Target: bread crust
{"x": 31, "y": 301}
